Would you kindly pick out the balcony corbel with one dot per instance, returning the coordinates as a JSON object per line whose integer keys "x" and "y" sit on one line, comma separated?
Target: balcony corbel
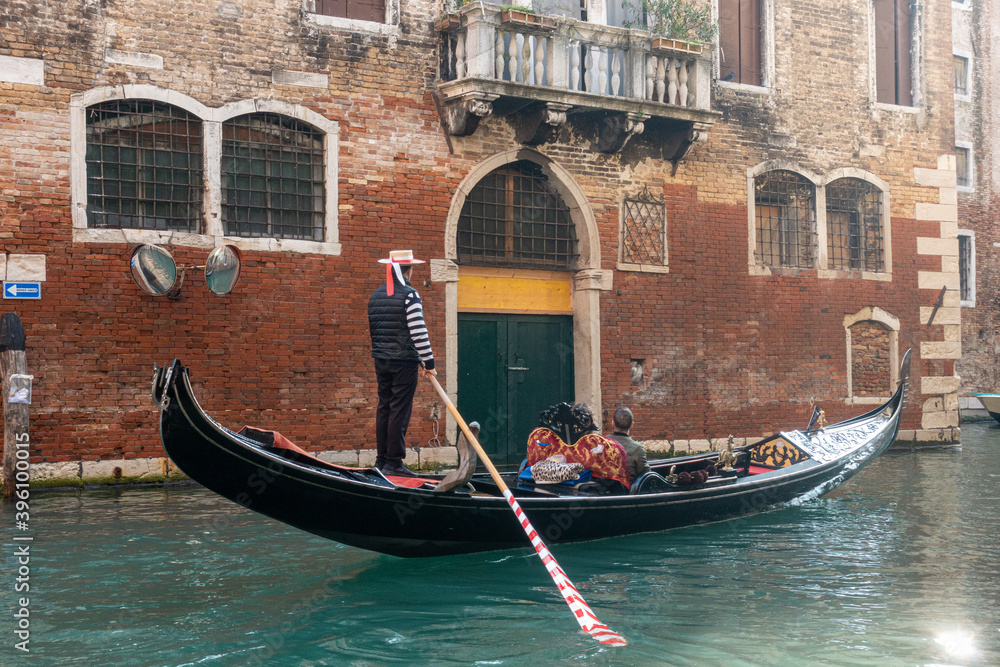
{"x": 615, "y": 129}
{"x": 541, "y": 124}
{"x": 677, "y": 144}
{"x": 463, "y": 114}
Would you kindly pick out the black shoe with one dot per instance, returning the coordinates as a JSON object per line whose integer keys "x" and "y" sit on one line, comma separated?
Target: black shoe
{"x": 397, "y": 470}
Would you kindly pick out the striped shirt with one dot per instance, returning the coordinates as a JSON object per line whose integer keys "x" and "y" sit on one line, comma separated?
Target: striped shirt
{"x": 418, "y": 329}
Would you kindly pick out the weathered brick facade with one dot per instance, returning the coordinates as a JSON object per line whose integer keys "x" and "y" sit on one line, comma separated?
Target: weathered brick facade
{"x": 976, "y": 120}
{"x": 728, "y": 347}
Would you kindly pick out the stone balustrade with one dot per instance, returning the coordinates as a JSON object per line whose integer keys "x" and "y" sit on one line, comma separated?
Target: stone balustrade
{"x": 574, "y": 56}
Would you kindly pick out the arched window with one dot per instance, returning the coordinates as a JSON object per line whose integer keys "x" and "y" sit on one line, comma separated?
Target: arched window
{"x": 272, "y": 178}
{"x": 144, "y": 166}
{"x": 854, "y": 225}
{"x": 785, "y": 209}
{"x": 513, "y": 217}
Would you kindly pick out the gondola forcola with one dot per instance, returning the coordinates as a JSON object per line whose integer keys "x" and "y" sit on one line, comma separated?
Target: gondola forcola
{"x": 260, "y": 470}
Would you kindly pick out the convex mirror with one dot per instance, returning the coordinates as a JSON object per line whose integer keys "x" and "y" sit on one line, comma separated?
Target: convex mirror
{"x": 222, "y": 269}
{"x": 153, "y": 269}
{"x": 155, "y": 272}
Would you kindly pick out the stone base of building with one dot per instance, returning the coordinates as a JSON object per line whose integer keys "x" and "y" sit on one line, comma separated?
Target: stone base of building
{"x": 928, "y": 438}
{"x": 161, "y": 469}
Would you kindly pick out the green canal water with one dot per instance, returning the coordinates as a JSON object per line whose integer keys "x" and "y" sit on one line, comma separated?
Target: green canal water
{"x": 900, "y": 566}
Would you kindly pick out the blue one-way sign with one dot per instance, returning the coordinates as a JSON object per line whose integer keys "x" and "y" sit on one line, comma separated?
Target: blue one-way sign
{"x": 22, "y": 290}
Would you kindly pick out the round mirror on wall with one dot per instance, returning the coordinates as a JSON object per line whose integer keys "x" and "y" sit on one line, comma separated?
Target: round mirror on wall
{"x": 153, "y": 269}
{"x": 222, "y": 269}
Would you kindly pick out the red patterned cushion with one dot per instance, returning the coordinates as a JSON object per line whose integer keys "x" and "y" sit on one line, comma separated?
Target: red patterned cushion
{"x": 609, "y": 461}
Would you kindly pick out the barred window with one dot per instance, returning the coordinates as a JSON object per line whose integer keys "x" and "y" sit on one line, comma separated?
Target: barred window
{"x": 854, "y": 225}
{"x": 144, "y": 166}
{"x": 967, "y": 268}
{"x": 272, "y": 178}
{"x": 785, "y": 206}
{"x": 513, "y": 217}
{"x": 643, "y": 230}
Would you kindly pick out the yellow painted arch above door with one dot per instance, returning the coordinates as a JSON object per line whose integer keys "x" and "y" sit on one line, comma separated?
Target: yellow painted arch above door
{"x": 504, "y": 290}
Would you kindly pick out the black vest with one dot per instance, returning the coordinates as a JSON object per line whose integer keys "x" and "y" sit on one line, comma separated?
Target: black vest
{"x": 387, "y": 325}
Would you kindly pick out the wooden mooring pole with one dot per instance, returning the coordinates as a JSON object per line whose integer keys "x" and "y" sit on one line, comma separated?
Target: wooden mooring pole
{"x": 15, "y": 415}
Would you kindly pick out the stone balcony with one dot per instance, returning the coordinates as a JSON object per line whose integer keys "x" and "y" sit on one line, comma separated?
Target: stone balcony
{"x": 611, "y": 83}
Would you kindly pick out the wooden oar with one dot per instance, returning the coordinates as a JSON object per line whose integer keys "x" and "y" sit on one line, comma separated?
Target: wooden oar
{"x": 581, "y": 611}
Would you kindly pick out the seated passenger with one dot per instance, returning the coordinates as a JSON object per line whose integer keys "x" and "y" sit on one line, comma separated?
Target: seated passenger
{"x": 637, "y": 465}
{"x": 603, "y": 457}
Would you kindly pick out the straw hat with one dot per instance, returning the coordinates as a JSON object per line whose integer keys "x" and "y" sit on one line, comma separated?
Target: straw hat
{"x": 393, "y": 262}
{"x": 401, "y": 257}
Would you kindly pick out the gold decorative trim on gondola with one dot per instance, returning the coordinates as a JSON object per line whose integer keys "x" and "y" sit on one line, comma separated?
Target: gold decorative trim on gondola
{"x": 777, "y": 454}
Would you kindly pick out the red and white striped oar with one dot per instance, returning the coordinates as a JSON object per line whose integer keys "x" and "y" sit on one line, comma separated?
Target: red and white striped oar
{"x": 581, "y": 611}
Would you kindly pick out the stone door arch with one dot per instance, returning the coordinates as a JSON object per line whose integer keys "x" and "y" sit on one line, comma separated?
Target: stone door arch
{"x": 587, "y": 278}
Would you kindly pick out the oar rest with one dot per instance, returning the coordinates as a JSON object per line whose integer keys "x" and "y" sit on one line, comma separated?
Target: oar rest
{"x": 602, "y": 456}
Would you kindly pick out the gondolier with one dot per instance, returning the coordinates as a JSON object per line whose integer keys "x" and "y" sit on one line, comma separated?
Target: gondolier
{"x": 400, "y": 345}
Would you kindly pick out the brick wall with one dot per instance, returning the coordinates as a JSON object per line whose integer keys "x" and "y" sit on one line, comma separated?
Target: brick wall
{"x": 726, "y": 351}
{"x": 870, "y": 372}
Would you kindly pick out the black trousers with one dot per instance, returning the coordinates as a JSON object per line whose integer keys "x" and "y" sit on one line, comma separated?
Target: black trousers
{"x": 396, "y": 387}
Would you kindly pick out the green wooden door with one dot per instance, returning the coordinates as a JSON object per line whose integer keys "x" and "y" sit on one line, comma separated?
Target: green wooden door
{"x": 510, "y": 367}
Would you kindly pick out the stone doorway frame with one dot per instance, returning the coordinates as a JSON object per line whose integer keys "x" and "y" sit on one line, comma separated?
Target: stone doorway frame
{"x": 587, "y": 282}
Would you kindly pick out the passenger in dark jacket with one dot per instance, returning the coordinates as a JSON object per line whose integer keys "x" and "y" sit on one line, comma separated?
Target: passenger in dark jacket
{"x": 400, "y": 345}
{"x": 637, "y": 464}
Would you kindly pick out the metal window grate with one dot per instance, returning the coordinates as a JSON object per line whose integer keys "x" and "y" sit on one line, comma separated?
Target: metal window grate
{"x": 786, "y": 219}
{"x": 644, "y": 230}
{"x": 273, "y": 178}
{"x": 513, "y": 217}
{"x": 854, "y": 225}
{"x": 144, "y": 166}
{"x": 965, "y": 278}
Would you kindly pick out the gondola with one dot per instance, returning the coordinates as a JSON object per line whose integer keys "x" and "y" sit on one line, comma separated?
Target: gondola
{"x": 407, "y": 517}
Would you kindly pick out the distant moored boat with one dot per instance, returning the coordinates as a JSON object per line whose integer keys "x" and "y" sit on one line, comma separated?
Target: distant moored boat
{"x": 991, "y": 402}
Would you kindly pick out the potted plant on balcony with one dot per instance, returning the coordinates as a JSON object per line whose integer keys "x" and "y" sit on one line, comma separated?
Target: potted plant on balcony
{"x": 677, "y": 25}
{"x": 449, "y": 20}
{"x": 525, "y": 16}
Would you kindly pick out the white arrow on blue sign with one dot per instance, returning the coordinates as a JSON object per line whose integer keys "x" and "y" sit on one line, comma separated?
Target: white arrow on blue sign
{"x": 22, "y": 290}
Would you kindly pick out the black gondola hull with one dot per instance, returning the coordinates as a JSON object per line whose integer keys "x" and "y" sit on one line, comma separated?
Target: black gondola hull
{"x": 363, "y": 509}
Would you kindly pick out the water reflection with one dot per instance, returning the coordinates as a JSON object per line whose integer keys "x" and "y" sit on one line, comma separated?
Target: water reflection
{"x": 897, "y": 567}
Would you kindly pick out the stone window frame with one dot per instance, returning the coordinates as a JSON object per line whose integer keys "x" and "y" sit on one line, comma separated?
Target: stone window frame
{"x": 767, "y": 67}
{"x": 212, "y": 234}
{"x": 891, "y": 323}
{"x": 822, "y": 253}
{"x": 968, "y": 57}
{"x": 970, "y": 165}
{"x": 916, "y": 61}
{"x": 971, "y": 269}
{"x": 759, "y": 268}
{"x": 389, "y": 28}
{"x": 621, "y": 264}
